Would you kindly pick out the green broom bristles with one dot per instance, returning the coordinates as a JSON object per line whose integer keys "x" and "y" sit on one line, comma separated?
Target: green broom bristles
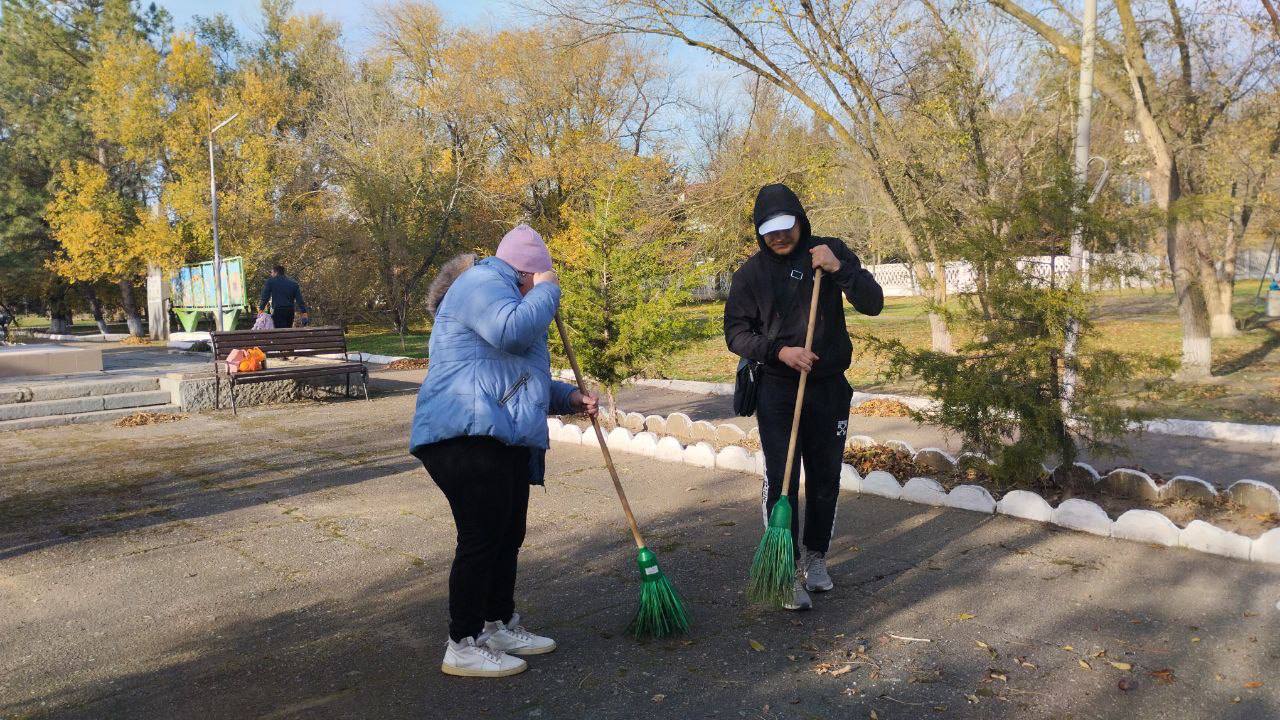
{"x": 661, "y": 611}
{"x": 773, "y": 570}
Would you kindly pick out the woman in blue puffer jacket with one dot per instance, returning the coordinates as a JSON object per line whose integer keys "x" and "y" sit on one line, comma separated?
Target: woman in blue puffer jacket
{"x": 480, "y": 429}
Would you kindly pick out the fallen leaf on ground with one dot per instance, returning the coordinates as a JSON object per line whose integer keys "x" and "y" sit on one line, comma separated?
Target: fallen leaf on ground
{"x": 408, "y": 364}
{"x": 659, "y": 697}
{"x": 998, "y": 675}
{"x": 1125, "y": 684}
{"x": 1023, "y": 662}
{"x": 148, "y": 418}
{"x": 1085, "y": 665}
{"x": 1121, "y": 666}
{"x": 926, "y": 676}
{"x": 841, "y": 671}
{"x": 966, "y": 616}
{"x": 874, "y": 716}
{"x": 1254, "y": 684}
{"x": 881, "y": 408}
{"x": 1164, "y": 677}
{"x": 1195, "y": 639}
{"x": 755, "y": 645}
{"x": 1068, "y": 648}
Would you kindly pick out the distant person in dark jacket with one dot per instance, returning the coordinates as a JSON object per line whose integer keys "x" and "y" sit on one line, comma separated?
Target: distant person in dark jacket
{"x": 284, "y": 295}
{"x": 765, "y": 320}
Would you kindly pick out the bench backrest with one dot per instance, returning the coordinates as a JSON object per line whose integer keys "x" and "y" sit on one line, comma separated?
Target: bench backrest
{"x": 290, "y": 342}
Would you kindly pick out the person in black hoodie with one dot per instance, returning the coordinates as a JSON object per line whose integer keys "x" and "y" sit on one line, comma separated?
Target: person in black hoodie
{"x": 765, "y": 321}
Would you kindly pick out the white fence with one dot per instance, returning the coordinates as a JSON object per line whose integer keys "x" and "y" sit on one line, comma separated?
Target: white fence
{"x": 1140, "y": 271}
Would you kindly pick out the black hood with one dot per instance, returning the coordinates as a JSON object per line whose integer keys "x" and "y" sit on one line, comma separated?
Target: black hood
{"x": 778, "y": 199}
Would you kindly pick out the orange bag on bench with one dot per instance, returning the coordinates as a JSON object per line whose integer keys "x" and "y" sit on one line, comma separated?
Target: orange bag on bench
{"x": 242, "y": 360}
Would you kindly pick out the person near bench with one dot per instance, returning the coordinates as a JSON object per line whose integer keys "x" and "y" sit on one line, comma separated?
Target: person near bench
{"x": 480, "y": 429}
{"x": 284, "y": 294}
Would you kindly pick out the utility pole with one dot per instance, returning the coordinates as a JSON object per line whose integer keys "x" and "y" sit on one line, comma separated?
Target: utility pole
{"x": 1088, "y": 40}
{"x": 217, "y": 249}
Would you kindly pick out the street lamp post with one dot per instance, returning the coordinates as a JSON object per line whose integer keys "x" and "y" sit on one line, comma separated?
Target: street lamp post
{"x": 217, "y": 249}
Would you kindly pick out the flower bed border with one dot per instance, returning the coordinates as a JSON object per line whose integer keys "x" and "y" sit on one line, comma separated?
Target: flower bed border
{"x": 651, "y": 436}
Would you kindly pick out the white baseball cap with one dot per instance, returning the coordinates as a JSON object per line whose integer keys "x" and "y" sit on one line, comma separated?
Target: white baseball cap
{"x": 776, "y": 223}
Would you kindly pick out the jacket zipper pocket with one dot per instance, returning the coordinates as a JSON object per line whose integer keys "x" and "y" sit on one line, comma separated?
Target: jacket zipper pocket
{"x": 514, "y": 389}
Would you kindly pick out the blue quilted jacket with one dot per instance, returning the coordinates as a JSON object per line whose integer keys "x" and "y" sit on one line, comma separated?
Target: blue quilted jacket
{"x": 490, "y": 370}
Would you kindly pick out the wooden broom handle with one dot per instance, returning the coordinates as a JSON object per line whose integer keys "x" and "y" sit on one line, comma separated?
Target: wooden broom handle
{"x": 595, "y": 423}
{"x": 804, "y": 379}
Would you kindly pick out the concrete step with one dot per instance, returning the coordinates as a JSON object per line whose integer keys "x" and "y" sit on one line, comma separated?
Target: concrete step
{"x": 81, "y": 418}
{"x": 14, "y": 393}
{"x": 84, "y": 404}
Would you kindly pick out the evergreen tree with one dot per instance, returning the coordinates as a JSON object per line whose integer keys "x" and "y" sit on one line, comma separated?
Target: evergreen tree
{"x": 626, "y": 271}
{"x": 1002, "y": 390}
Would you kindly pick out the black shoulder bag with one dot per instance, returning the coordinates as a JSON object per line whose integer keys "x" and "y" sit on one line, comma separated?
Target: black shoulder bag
{"x": 746, "y": 386}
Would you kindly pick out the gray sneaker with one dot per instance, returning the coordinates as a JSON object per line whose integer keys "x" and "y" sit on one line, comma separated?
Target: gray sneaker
{"x": 800, "y": 598}
{"x": 816, "y": 578}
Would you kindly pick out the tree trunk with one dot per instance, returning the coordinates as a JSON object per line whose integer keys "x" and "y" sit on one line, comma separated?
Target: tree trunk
{"x": 130, "y": 308}
{"x": 1197, "y": 348}
{"x": 59, "y": 311}
{"x": 95, "y": 305}
{"x": 939, "y": 332}
{"x": 1184, "y": 264}
{"x": 1221, "y": 291}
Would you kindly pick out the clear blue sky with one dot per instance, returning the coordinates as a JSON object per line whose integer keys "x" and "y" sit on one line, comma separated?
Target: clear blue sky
{"x": 699, "y": 74}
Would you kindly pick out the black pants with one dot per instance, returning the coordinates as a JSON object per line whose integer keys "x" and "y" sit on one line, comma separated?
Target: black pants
{"x": 824, "y": 423}
{"x": 487, "y": 485}
{"x": 282, "y": 317}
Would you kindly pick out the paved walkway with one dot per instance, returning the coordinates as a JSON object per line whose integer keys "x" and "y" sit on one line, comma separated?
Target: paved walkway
{"x": 1218, "y": 461}
{"x": 124, "y": 361}
{"x": 292, "y": 563}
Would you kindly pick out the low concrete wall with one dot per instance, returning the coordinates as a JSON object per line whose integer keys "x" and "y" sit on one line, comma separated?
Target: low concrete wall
{"x": 196, "y": 393}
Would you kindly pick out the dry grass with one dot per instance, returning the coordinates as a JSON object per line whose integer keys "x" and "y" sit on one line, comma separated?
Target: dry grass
{"x": 148, "y": 418}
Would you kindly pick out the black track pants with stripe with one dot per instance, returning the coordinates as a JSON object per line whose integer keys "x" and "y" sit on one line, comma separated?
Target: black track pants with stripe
{"x": 824, "y": 424}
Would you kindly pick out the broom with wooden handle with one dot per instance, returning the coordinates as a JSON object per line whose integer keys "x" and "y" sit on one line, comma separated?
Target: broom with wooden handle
{"x": 661, "y": 611}
{"x": 773, "y": 569}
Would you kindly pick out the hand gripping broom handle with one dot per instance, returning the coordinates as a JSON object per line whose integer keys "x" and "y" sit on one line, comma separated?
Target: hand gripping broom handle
{"x": 804, "y": 379}
{"x": 604, "y": 447}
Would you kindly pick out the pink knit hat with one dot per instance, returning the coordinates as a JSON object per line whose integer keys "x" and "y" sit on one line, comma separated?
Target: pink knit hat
{"x": 524, "y": 250}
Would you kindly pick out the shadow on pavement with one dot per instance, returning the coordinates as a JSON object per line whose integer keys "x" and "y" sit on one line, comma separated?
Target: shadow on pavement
{"x": 366, "y": 643}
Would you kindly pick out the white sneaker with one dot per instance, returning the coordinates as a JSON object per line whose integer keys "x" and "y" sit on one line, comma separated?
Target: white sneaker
{"x": 800, "y": 599}
{"x": 468, "y": 659}
{"x": 514, "y": 639}
{"x": 816, "y": 578}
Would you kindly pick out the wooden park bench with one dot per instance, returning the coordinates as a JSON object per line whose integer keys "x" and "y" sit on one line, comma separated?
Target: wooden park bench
{"x": 281, "y": 344}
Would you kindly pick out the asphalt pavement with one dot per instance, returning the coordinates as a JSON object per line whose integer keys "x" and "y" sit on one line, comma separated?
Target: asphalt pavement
{"x": 292, "y": 563}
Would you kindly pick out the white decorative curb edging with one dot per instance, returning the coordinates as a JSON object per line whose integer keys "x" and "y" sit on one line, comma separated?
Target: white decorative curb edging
{"x": 1138, "y": 525}
{"x": 1207, "y": 429}
{"x": 1026, "y": 505}
{"x": 1146, "y": 526}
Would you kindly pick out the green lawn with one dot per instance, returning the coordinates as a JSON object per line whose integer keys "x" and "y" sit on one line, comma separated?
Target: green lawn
{"x": 378, "y": 340}
{"x": 1247, "y": 367}
{"x": 1246, "y": 389}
